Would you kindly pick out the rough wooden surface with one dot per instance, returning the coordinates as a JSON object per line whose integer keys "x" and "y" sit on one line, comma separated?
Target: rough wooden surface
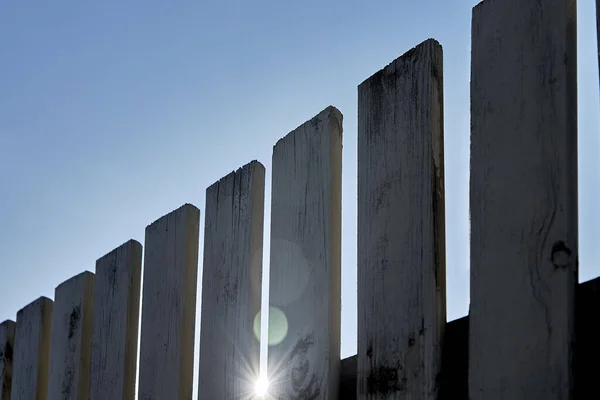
{"x": 231, "y": 284}
{"x": 71, "y": 338}
{"x": 169, "y": 306}
{"x": 7, "y": 337}
{"x": 305, "y": 259}
{"x": 116, "y": 323}
{"x": 401, "y": 243}
{"x": 454, "y": 376}
{"x": 32, "y": 351}
{"x": 523, "y": 199}
{"x": 452, "y": 380}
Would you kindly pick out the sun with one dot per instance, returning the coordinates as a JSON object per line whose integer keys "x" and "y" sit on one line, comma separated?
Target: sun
{"x": 261, "y": 387}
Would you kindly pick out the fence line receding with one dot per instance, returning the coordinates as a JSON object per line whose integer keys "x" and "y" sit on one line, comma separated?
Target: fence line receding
{"x": 531, "y": 332}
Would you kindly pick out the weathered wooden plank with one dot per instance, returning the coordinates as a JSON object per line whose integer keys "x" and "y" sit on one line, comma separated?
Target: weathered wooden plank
{"x": 169, "y": 306}
{"x": 523, "y": 197}
{"x": 7, "y": 338}
{"x": 454, "y": 373}
{"x": 454, "y": 377}
{"x": 32, "y": 351}
{"x": 401, "y": 225}
{"x": 116, "y": 322}
{"x": 71, "y": 338}
{"x": 304, "y": 330}
{"x": 231, "y": 284}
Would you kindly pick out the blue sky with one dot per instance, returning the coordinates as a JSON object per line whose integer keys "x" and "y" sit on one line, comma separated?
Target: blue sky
{"x": 113, "y": 114}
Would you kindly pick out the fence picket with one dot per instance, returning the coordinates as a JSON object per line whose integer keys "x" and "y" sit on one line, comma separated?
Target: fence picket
{"x": 32, "y": 351}
{"x": 523, "y": 197}
{"x": 169, "y": 306}
{"x": 401, "y": 225}
{"x": 71, "y": 336}
{"x": 7, "y": 338}
{"x": 304, "y": 319}
{"x": 116, "y": 322}
{"x": 231, "y": 284}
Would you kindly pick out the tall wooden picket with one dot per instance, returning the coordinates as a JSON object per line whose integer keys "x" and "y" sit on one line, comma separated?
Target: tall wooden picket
{"x": 169, "y": 306}
{"x": 304, "y": 320}
{"x": 7, "y": 337}
{"x": 231, "y": 285}
{"x": 71, "y": 339}
{"x": 32, "y": 351}
{"x": 523, "y": 199}
{"x": 401, "y": 225}
{"x": 116, "y": 322}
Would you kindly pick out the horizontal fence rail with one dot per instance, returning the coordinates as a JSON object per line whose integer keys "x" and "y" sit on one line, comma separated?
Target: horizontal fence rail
{"x": 454, "y": 377}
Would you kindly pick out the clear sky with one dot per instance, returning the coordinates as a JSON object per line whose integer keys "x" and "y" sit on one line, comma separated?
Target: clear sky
{"x": 113, "y": 114}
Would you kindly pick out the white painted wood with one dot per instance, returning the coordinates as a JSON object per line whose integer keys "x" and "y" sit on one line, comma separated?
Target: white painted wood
{"x": 169, "y": 306}
{"x": 401, "y": 227}
{"x": 32, "y": 351}
{"x": 116, "y": 323}
{"x": 305, "y": 260}
{"x": 523, "y": 197}
{"x": 71, "y": 338}
{"x": 231, "y": 285}
{"x": 7, "y": 338}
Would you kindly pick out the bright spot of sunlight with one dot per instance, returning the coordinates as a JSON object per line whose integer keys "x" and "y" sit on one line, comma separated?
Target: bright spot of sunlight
{"x": 261, "y": 387}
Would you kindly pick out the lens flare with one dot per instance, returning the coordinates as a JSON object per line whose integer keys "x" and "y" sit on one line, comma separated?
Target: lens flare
{"x": 277, "y": 328}
{"x": 261, "y": 387}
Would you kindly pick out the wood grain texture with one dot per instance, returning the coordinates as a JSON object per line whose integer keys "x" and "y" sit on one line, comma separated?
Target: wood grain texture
{"x": 71, "y": 338}
{"x": 231, "y": 285}
{"x": 454, "y": 377}
{"x": 7, "y": 340}
{"x": 169, "y": 306}
{"x": 523, "y": 199}
{"x": 303, "y": 360}
{"x": 32, "y": 351}
{"x": 116, "y": 322}
{"x": 401, "y": 227}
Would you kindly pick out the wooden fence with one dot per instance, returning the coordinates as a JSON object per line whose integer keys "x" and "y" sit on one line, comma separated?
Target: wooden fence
{"x": 532, "y": 330}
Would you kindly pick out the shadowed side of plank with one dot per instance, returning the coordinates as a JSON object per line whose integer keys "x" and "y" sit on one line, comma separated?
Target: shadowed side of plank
{"x": 305, "y": 264}
{"x": 401, "y": 228}
{"x": 169, "y": 306}
{"x": 231, "y": 285}
{"x": 32, "y": 351}
{"x": 116, "y": 323}
{"x": 7, "y": 338}
{"x": 523, "y": 199}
